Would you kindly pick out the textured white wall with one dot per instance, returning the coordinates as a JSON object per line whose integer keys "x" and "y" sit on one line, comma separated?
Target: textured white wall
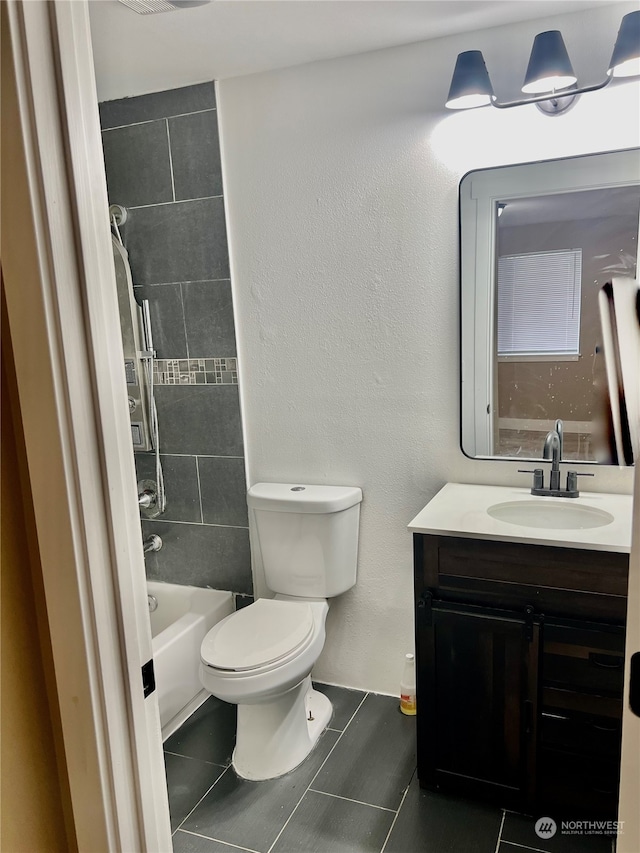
{"x": 341, "y": 181}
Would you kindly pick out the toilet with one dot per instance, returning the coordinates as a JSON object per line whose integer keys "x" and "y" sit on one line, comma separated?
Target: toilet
{"x": 260, "y": 658}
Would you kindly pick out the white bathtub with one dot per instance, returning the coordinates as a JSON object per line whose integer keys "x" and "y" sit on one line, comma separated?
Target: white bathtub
{"x": 178, "y": 626}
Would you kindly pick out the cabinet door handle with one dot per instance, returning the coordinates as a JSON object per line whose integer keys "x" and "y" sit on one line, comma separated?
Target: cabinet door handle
{"x": 424, "y": 609}
{"x": 529, "y": 612}
{"x": 528, "y": 717}
{"x": 606, "y": 661}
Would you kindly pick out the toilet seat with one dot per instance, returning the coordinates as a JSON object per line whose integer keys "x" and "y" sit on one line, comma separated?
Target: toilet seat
{"x": 262, "y": 635}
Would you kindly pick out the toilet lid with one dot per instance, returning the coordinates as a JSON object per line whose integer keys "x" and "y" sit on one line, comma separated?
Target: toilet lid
{"x": 257, "y": 635}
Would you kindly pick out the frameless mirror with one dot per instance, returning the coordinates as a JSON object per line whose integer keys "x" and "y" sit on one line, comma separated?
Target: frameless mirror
{"x": 538, "y": 242}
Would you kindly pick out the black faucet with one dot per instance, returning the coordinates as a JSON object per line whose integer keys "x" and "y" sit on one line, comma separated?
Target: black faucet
{"x": 552, "y": 449}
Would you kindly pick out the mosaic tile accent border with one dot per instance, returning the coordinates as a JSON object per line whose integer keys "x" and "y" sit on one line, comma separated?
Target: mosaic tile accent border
{"x": 195, "y": 371}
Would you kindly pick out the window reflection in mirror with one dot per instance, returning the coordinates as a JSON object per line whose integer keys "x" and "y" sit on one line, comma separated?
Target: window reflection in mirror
{"x": 538, "y": 242}
{"x": 554, "y": 253}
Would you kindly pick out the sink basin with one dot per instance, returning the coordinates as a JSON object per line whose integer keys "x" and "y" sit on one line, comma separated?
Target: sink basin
{"x": 554, "y": 515}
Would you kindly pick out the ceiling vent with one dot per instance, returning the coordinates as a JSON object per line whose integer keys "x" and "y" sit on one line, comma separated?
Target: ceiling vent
{"x": 151, "y": 7}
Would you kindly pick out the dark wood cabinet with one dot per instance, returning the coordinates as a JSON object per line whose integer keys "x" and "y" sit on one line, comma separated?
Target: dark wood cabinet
{"x": 478, "y": 691}
{"x": 519, "y": 673}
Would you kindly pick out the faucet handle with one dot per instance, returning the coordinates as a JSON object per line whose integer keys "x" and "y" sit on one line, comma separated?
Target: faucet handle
{"x": 152, "y": 543}
{"x": 572, "y": 479}
{"x": 538, "y": 476}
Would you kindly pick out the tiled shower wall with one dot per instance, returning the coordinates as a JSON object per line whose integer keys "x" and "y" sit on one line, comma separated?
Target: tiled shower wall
{"x": 162, "y": 160}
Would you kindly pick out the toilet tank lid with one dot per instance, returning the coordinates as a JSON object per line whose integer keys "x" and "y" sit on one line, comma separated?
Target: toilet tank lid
{"x": 296, "y": 497}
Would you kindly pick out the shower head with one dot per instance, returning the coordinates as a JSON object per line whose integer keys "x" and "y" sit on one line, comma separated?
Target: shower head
{"x": 150, "y": 7}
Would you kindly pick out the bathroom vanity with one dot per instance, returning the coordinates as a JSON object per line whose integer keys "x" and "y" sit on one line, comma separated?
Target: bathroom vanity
{"x": 520, "y": 647}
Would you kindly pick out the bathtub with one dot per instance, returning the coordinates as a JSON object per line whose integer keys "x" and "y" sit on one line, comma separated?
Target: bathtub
{"x": 178, "y": 626}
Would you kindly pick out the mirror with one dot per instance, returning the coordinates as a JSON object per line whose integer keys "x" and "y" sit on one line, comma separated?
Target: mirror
{"x": 537, "y": 243}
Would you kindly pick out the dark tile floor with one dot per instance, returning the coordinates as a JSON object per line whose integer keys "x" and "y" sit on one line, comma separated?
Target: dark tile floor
{"x": 357, "y": 792}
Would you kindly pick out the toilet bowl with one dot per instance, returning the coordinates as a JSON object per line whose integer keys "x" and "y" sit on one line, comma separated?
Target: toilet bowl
{"x": 260, "y": 658}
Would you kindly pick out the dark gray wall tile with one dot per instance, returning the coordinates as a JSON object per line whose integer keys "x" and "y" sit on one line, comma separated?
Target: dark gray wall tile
{"x": 171, "y": 102}
{"x": 195, "y": 154}
{"x": 167, "y": 318}
{"x": 187, "y": 781}
{"x": 199, "y": 420}
{"x": 377, "y": 756}
{"x": 209, "y": 734}
{"x": 223, "y": 488}
{"x": 200, "y": 555}
{"x": 173, "y": 246}
{"x": 322, "y": 823}
{"x": 177, "y": 242}
{"x": 243, "y": 601}
{"x": 208, "y": 313}
{"x": 224, "y": 811}
{"x": 446, "y": 824}
{"x": 180, "y": 484}
{"x": 137, "y": 164}
{"x": 345, "y": 703}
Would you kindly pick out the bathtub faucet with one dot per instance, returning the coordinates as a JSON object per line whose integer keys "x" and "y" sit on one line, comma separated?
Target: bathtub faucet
{"x": 147, "y": 498}
{"x": 152, "y": 543}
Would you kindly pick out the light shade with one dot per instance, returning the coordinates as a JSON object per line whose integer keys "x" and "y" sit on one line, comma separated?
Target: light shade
{"x": 470, "y": 84}
{"x": 625, "y": 60}
{"x": 549, "y": 66}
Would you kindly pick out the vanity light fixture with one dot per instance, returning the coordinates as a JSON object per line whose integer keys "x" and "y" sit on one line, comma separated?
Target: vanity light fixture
{"x": 550, "y": 78}
{"x": 549, "y": 66}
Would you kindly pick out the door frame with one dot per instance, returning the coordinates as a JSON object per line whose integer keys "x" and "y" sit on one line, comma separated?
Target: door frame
{"x": 62, "y": 312}
{"x": 629, "y": 839}
{"x": 71, "y": 392}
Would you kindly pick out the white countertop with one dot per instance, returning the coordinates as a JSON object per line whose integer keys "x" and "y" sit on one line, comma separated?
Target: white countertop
{"x": 461, "y": 510}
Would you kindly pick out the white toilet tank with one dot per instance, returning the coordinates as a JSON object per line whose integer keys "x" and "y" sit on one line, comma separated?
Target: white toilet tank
{"x": 308, "y": 537}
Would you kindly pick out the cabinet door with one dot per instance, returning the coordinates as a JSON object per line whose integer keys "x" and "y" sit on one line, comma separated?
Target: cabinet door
{"x": 477, "y": 700}
{"x": 580, "y": 727}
